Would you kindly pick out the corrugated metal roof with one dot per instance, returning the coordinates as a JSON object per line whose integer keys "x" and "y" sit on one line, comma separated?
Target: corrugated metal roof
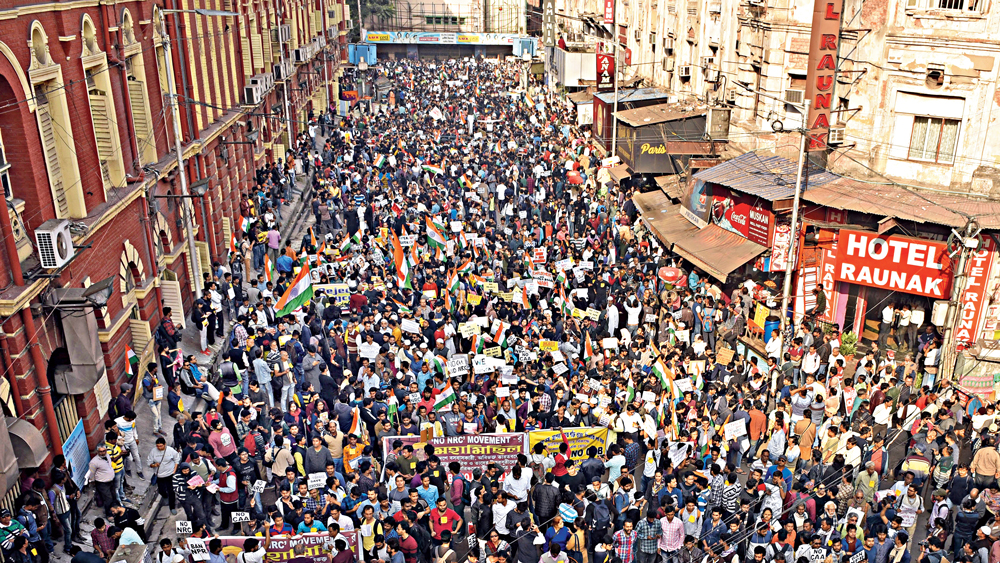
{"x": 581, "y": 97}
{"x": 768, "y": 177}
{"x": 713, "y": 249}
{"x": 773, "y": 178}
{"x": 717, "y": 251}
{"x": 635, "y": 95}
{"x": 671, "y": 185}
{"x": 619, "y": 172}
{"x": 660, "y": 113}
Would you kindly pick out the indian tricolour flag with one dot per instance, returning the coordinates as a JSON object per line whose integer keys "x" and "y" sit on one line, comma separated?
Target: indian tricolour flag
{"x": 464, "y": 181}
{"x": 434, "y": 237}
{"x": 662, "y": 374}
{"x": 268, "y": 269}
{"x": 232, "y": 243}
{"x": 132, "y": 361}
{"x": 499, "y": 336}
{"x": 401, "y": 307}
{"x": 433, "y": 169}
{"x": 401, "y": 263}
{"x": 393, "y": 415}
{"x": 245, "y": 223}
{"x": 299, "y": 292}
{"x": 465, "y": 268}
{"x": 452, "y": 283}
{"x": 588, "y": 349}
{"x": 346, "y": 245}
{"x": 444, "y": 399}
{"x": 356, "y": 427}
{"x": 440, "y": 363}
{"x": 380, "y": 161}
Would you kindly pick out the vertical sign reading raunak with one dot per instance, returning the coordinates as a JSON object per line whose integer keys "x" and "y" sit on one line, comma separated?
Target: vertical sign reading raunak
{"x": 549, "y": 23}
{"x": 822, "y": 72}
{"x": 609, "y": 11}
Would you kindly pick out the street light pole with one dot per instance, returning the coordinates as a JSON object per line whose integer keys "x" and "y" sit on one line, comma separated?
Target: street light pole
{"x": 614, "y": 118}
{"x": 794, "y": 244}
{"x": 179, "y": 153}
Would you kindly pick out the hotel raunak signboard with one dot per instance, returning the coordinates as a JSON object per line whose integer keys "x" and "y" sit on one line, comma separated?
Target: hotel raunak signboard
{"x": 822, "y": 74}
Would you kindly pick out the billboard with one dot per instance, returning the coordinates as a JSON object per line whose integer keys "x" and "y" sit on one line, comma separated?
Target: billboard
{"x": 432, "y": 38}
{"x": 736, "y": 212}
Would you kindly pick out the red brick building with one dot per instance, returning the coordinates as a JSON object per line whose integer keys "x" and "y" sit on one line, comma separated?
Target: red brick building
{"x": 87, "y": 141}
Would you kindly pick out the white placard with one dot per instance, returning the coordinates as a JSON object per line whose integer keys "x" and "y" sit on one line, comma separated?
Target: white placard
{"x": 481, "y": 364}
{"x": 683, "y": 336}
{"x": 258, "y": 486}
{"x": 241, "y": 517}
{"x": 648, "y": 397}
{"x": 587, "y": 264}
{"x": 458, "y": 365}
{"x": 684, "y": 385}
{"x": 651, "y": 318}
{"x": 407, "y": 240}
{"x": 316, "y": 480}
{"x": 183, "y": 527}
{"x": 735, "y": 429}
{"x": 414, "y": 398}
{"x": 507, "y": 375}
{"x": 609, "y": 343}
{"x": 503, "y": 392}
{"x": 564, "y": 264}
{"x": 560, "y": 369}
{"x": 410, "y": 325}
{"x": 369, "y": 351}
{"x": 199, "y": 552}
{"x": 456, "y": 226}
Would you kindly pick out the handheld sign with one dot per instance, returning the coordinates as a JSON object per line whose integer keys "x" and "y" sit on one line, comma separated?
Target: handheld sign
{"x": 183, "y": 527}
{"x": 241, "y": 517}
{"x": 258, "y": 486}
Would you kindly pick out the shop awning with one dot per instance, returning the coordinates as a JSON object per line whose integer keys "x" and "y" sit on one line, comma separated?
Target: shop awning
{"x": 670, "y": 185}
{"x": 663, "y": 217}
{"x": 713, "y": 249}
{"x": 619, "y": 173}
{"x": 717, "y": 251}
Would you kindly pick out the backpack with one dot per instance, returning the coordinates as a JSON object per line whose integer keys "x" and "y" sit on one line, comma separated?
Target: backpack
{"x": 466, "y": 493}
{"x": 602, "y": 515}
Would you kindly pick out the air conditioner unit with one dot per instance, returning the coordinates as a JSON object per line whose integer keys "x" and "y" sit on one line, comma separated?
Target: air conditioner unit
{"x": 717, "y": 124}
{"x": 282, "y": 33}
{"x": 252, "y": 95}
{"x": 55, "y": 243}
{"x": 264, "y": 81}
{"x": 282, "y": 72}
{"x": 758, "y": 2}
{"x": 837, "y": 135}
{"x": 637, "y": 35}
{"x": 795, "y": 96}
{"x": 707, "y": 62}
{"x": 668, "y": 43}
{"x": 668, "y": 64}
{"x": 684, "y": 71}
{"x": 711, "y": 74}
{"x": 731, "y": 96}
{"x": 300, "y": 56}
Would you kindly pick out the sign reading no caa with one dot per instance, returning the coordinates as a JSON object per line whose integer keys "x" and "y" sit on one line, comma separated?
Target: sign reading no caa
{"x": 909, "y": 265}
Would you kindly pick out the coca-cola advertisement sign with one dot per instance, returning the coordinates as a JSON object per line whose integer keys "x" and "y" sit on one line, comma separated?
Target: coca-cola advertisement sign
{"x": 741, "y": 214}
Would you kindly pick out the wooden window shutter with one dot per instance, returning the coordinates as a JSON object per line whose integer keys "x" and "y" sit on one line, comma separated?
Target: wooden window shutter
{"x": 46, "y": 129}
{"x": 140, "y": 120}
{"x": 248, "y": 67}
{"x": 102, "y": 131}
{"x": 258, "y": 51}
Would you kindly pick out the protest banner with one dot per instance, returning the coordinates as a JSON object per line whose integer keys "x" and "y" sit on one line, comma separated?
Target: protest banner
{"x": 410, "y": 325}
{"x": 183, "y": 527}
{"x": 339, "y": 292}
{"x": 458, "y": 365}
{"x": 474, "y": 299}
{"x": 548, "y": 345}
{"x": 579, "y": 440}
{"x": 318, "y": 546}
{"x": 471, "y": 451}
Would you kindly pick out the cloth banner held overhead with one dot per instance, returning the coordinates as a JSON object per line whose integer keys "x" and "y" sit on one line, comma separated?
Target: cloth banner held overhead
{"x": 579, "y": 440}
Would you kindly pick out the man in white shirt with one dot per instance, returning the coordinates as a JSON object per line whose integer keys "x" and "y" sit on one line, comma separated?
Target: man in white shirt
{"x": 903, "y": 329}
{"x": 916, "y": 320}
{"x": 885, "y": 327}
{"x": 810, "y": 362}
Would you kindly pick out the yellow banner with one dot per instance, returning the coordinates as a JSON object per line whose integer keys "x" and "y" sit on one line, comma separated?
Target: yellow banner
{"x": 579, "y": 440}
{"x": 474, "y": 299}
{"x": 548, "y": 345}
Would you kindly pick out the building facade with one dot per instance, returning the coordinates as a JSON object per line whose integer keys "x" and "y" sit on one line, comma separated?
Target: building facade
{"x": 87, "y": 142}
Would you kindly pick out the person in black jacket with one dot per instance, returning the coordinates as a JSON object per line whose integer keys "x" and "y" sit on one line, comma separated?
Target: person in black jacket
{"x": 546, "y": 499}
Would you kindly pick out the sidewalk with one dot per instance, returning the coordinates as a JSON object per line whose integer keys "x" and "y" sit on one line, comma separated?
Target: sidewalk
{"x": 144, "y": 497}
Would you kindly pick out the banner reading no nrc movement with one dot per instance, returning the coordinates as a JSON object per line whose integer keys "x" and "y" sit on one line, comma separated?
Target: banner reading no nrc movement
{"x": 471, "y": 451}
{"x": 579, "y": 440}
{"x": 317, "y": 546}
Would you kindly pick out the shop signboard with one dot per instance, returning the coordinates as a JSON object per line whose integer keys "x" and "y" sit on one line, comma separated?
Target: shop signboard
{"x": 972, "y": 298}
{"x": 904, "y": 264}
